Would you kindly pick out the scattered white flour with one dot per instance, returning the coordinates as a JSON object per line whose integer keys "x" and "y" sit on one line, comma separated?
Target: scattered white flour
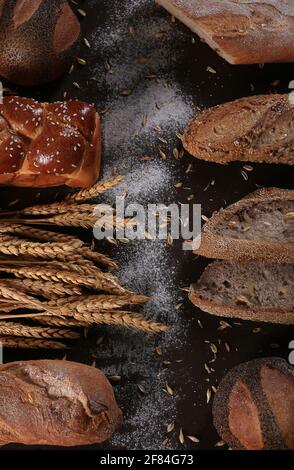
{"x": 143, "y": 105}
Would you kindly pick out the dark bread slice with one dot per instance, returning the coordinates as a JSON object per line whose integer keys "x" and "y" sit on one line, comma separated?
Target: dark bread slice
{"x": 253, "y": 408}
{"x": 250, "y": 291}
{"x": 256, "y": 129}
{"x": 259, "y": 227}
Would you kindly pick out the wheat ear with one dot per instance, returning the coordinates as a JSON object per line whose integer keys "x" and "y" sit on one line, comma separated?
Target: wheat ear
{"x": 98, "y": 257}
{"x": 43, "y": 288}
{"x": 46, "y": 235}
{"x": 96, "y": 190}
{"x": 126, "y": 319}
{"x": 21, "y": 343}
{"x": 56, "y": 208}
{"x": 17, "y": 329}
{"x": 40, "y": 250}
{"x": 61, "y": 322}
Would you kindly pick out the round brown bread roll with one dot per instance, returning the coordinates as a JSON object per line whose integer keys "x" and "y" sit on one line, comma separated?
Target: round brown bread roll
{"x": 253, "y": 408}
{"x": 56, "y": 403}
{"x": 38, "y": 38}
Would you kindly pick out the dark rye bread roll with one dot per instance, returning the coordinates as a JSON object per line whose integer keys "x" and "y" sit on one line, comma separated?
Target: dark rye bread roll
{"x": 256, "y": 129}
{"x": 253, "y": 408}
{"x": 39, "y": 40}
{"x": 56, "y": 403}
{"x": 259, "y": 227}
{"x": 49, "y": 144}
{"x": 240, "y": 31}
{"x": 249, "y": 291}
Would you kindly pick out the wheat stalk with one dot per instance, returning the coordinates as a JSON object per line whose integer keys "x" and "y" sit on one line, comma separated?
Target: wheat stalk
{"x": 126, "y": 319}
{"x": 17, "y": 329}
{"x": 56, "y": 208}
{"x": 61, "y": 322}
{"x": 94, "y": 303}
{"x": 43, "y": 288}
{"x": 41, "y": 250}
{"x": 20, "y": 343}
{"x": 96, "y": 190}
{"x": 98, "y": 257}
{"x": 46, "y": 235}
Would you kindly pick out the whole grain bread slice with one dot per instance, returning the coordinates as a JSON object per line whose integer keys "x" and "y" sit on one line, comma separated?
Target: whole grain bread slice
{"x": 258, "y": 227}
{"x": 250, "y": 291}
{"x": 256, "y": 129}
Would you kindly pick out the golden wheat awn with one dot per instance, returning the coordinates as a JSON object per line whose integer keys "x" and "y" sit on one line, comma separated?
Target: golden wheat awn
{"x": 27, "y": 343}
{"x": 40, "y": 250}
{"x": 17, "y": 329}
{"x": 94, "y": 303}
{"x": 46, "y": 235}
{"x": 43, "y": 288}
{"x": 96, "y": 190}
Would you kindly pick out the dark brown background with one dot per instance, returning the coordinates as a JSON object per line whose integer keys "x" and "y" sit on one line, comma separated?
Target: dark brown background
{"x": 130, "y": 355}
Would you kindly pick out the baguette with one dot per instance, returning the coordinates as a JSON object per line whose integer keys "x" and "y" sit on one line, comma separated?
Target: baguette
{"x": 259, "y": 227}
{"x": 55, "y": 403}
{"x": 249, "y": 291}
{"x": 257, "y": 129}
{"x": 253, "y": 407}
{"x": 242, "y": 32}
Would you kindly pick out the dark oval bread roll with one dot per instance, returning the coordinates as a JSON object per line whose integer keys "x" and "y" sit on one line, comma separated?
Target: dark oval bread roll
{"x": 56, "y": 403}
{"x": 39, "y": 39}
{"x": 49, "y": 144}
{"x": 256, "y": 128}
{"x": 253, "y": 408}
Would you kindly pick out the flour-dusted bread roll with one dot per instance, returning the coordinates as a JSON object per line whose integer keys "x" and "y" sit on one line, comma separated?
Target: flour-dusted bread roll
{"x": 38, "y": 38}
{"x": 253, "y": 408}
{"x": 256, "y": 129}
{"x": 241, "y": 31}
{"x": 49, "y": 144}
{"x": 56, "y": 403}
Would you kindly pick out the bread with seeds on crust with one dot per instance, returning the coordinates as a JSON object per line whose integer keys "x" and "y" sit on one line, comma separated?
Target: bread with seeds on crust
{"x": 258, "y": 227}
{"x": 49, "y": 144}
{"x": 256, "y": 129}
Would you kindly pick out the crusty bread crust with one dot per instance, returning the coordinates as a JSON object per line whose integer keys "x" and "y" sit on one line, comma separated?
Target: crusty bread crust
{"x": 52, "y": 402}
{"x": 249, "y": 374}
{"x": 240, "y": 32}
{"x": 221, "y": 247}
{"x": 257, "y": 129}
{"x": 255, "y": 314}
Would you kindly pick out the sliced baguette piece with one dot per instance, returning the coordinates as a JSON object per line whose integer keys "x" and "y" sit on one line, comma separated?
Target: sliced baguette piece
{"x": 256, "y": 128}
{"x": 249, "y": 291}
{"x": 259, "y": 227}
{"x": 242, "y": 32}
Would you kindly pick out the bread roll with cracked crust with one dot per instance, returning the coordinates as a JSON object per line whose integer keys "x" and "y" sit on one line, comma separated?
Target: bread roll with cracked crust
{"x": 253, "y": 408}
{"x": 256, "y": 129}
{"x": 240, "y": 31}
{"x": 58, "y": 403}
{"x": 39, "y": 40}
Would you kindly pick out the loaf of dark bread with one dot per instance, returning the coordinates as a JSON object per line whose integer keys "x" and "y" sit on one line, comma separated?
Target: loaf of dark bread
{"x": 256, "y": 129}
{"x": 259, "y": 227}
{"x": 39, "y": 40}
{"x": 253, "y": 407}
{"x": 56, "y": 403}
{"x": 49, "y": 144}
{"x": 242, "y": 32}
{"x": 250, "y": 291}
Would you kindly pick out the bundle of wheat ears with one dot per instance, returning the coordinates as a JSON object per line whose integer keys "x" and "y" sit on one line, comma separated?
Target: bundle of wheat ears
{"x": 53, "y": 284}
